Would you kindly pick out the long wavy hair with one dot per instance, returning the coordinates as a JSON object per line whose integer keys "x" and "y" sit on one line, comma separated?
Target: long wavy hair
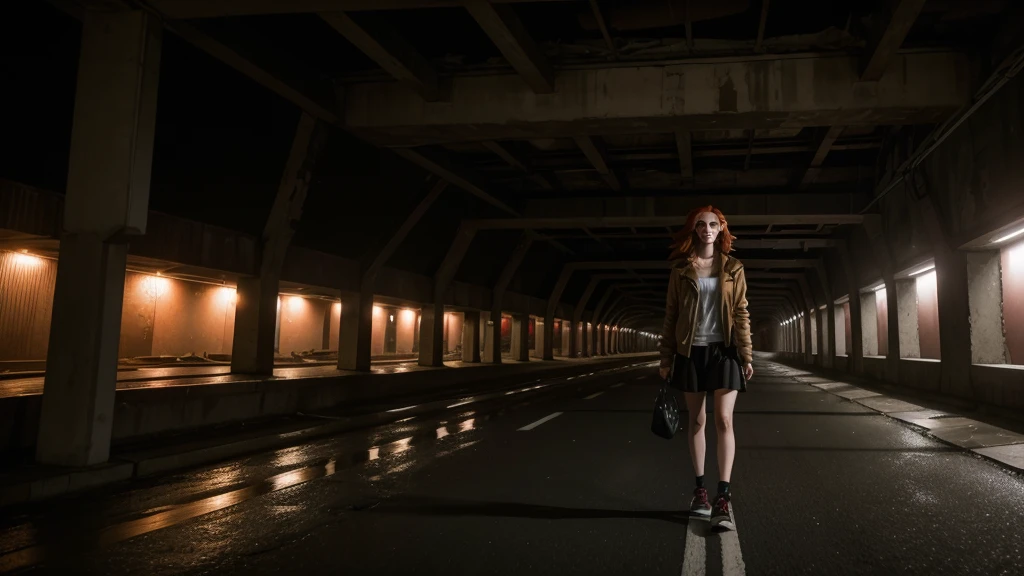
{"x": 685, "y": 240}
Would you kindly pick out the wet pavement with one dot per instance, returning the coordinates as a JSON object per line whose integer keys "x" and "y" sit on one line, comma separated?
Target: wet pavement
{"x": 563, "y": 480}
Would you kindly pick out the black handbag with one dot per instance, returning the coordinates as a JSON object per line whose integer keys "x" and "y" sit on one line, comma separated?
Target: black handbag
{"x": 665, "y": 422}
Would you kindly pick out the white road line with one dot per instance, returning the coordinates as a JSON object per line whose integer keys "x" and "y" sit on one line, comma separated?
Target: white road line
{"x": 695, "y": 558}
{"x": 732, "y": 556}
{"x": 541, "y": 421}
{"x": 594, "y": 395}
{"x": 618, "y": 385}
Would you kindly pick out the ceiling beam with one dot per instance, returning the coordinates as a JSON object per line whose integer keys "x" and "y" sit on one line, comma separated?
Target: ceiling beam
{"x": 824, "y": 145}
{"x": 758, "y": 44}
{"x": 218, "y": 8}
{"x": 232, "y": 59}
{"x": 655, "y": 221}
{"x": 925, "y": 87}
{"x": 515, "y": 162}
{"x": 503, "y": 26}
{"x": 790, "y": 207}
{"x": 596, "y": 155}
{"x": 603, "y": 25}
{"x": 880, "y": 52}
{"x": 228, "y": 56}
{"x": 441, "y": 168}
{"x": 390, "y": 51}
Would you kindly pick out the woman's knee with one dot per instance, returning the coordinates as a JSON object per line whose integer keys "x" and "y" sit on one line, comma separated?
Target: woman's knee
{"x": 697, "y": 422}
{"x": 723, "y": 422}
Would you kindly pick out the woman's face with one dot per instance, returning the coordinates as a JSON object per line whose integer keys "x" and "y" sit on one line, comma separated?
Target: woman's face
{"x": 707, "y": 228}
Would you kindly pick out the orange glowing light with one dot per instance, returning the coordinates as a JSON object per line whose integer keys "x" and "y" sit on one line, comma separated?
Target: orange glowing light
{"x": 408, "y": 315}
{"x": 227, "y": 296}
{"x": 155, "y": 286}
{"x": 25, "y": 260}
{"x": 377, "y": 310}
{"x": 295, "y": 303}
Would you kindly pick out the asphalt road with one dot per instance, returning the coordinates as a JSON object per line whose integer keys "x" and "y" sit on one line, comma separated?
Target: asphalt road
{"x": 821, "y": 486}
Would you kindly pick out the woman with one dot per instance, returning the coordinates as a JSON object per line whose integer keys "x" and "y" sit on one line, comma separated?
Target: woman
{"x": 705, "y": 344}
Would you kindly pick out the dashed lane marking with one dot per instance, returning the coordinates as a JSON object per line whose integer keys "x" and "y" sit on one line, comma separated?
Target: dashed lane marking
{"x": 594, "y": 395}
{"x": 529, "y": 427}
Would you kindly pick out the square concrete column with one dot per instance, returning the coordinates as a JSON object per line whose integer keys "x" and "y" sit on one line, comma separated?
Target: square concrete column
{"x": 584, "y": 340}
{"x": 869, "y": 323}
{"x": 985, "y": 293}
{"x": 521, "y": 337}
{"x": 492, "y": 338}
{"x": 906, "y": 309}
{"x": 256, "y": 312}
{"x": 954, "y": 321}
{"x": 356, "y": 333}
{"x": 106, "y": 203}
{"x": 432, "y": 335}
{"x": 471, "y": 337}
{"x": 573, "y": 338}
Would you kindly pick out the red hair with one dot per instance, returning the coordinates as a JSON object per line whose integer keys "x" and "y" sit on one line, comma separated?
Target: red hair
{"x": 685, "y": 239}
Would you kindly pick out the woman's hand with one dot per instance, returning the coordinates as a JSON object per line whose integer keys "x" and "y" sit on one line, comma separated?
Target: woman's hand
{"x": 663, "y": 372}
{"x": 748, "y": 371}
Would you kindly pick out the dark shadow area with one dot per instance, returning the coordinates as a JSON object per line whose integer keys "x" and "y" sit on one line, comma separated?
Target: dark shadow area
{"x": 439, "y": 506}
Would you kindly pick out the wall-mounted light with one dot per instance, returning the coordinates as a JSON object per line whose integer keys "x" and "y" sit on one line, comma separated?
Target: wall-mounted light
{"x": 295, "y": 304}
{"x": 26, "y": 260}
{"x": 155, "y": 286}
{"x": 1009, "y": 236}
{"x": 928, "y": 268}
{"x": 227, "y": 295}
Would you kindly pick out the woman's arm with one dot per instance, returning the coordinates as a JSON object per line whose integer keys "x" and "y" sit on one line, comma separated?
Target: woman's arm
{"x": 741, "y": 322}
{"x": 667, "y": 342}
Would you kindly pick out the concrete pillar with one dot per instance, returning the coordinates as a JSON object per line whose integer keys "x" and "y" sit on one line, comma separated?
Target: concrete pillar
{"x": 840, "y": 324}
{"x": 107, "y": 202}
{"x": 892, "y": 357}
{"x": 432, "y": 334}
{"x": 819, "y": 336}
{"x": 954, "y": 321}
{"x": 252, "y": 350}
{"x": 256, "y": 312}
{"x": 521, "y": 337}
{"x": 584, "y": 339}
{"x": 855, "y": 348}
{"x": 906, "y": 308}
{"x": 471, "y": 337}
{"x": 985, "y": 293}
{"x": 869, "y": 323}
{"x": 356, "y": 333}
{"x": 492, "y": 338}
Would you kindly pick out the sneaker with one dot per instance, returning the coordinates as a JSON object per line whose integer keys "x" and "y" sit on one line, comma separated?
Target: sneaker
{"x": 720, "y": 517}
{"x": 700, "y": 505}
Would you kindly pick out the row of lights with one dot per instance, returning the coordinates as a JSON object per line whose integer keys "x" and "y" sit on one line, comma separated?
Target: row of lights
{"x": 793, "y": 319}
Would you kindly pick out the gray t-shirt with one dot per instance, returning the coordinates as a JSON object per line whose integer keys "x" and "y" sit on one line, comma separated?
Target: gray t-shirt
{"x": 709, "y": 313}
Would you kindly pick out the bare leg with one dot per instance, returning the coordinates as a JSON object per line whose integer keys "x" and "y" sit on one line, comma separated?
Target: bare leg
{"x": 696, "y": 420}
{"x": 725, "y": 401}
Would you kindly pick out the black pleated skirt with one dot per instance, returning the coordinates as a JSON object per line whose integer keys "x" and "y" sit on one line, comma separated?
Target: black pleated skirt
{"x": 712, "y": 367}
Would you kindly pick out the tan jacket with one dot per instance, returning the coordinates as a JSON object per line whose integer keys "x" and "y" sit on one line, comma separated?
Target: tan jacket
{"x": 681, "y": 310}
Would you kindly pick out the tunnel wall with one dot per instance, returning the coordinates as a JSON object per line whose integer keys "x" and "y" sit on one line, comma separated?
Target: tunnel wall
{"x": 970, "y": 310}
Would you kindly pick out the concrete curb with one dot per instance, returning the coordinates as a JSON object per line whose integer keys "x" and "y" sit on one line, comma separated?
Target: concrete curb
{"x": 1002, "y": 447}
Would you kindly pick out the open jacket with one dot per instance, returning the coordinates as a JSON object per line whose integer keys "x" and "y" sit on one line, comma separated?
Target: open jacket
{"x": 681, "y": 310}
